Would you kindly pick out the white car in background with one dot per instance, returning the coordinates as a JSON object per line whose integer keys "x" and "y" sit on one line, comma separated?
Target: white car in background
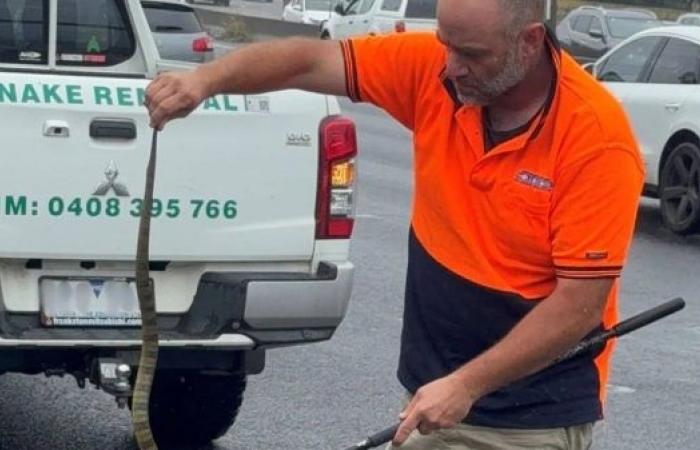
{"x": 689, "y": 19}
{"x": 656, "y": 76}
{"x": 357, "y": 17}
{"x": 313, "y": 12}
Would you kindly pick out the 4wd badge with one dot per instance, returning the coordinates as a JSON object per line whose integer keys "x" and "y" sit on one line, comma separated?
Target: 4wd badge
{"x": 299, "y": 139}
{"x": 111, "y": 172}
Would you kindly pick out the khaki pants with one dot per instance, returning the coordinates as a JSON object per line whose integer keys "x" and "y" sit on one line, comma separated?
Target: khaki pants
{"x": 469, "y": 437}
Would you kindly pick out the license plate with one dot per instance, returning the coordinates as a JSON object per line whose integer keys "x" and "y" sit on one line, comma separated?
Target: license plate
{"x": 101, "y": 302}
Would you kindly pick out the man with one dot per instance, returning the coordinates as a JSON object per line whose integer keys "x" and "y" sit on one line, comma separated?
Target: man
{"x": 527, "y": 183}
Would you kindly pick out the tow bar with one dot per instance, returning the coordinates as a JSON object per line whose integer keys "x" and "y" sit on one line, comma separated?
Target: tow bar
{"x": 114, "y": 378}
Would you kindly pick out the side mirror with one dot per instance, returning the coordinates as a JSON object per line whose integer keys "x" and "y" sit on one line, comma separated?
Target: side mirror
{"x": 596, "y": 33}
{"x": 611, "y": 77}
{"x": 339, "y": 9}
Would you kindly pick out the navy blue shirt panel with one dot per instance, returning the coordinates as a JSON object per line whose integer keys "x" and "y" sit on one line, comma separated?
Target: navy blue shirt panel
{"x": 449, "y": 320}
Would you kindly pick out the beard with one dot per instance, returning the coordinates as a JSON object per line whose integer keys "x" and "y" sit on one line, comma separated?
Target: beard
{"x": 485, "y": 92}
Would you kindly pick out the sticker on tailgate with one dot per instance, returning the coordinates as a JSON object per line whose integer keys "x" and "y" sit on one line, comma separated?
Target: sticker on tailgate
{"x": 111, "y": 207}
{"x": 97, "y": 95}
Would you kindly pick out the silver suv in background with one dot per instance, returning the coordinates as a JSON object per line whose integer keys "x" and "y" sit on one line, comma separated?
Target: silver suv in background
{"x": 178, "y": 32}
{"x": 588, "y": 32}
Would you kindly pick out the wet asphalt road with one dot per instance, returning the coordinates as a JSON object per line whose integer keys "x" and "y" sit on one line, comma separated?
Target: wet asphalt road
{"x": 329, "y": 395}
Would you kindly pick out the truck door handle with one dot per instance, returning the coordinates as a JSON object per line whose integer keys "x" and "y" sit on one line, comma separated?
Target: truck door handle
{"x": 673, "y": 107}
{"x": 113, "y": 128}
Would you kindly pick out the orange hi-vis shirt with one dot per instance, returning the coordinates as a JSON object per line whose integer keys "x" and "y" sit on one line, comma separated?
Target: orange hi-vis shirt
{"x": 557, "y": 201}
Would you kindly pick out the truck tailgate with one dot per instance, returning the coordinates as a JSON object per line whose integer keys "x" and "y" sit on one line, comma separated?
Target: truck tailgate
{"x": 235, "y": 181}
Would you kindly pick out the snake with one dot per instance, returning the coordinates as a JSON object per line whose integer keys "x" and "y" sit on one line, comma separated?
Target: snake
{"x": 149, "y": 324}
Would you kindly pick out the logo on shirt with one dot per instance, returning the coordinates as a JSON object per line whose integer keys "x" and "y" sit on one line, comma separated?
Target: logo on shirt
{"x": 596, "y": 255}
{"x": 533, "y": 180}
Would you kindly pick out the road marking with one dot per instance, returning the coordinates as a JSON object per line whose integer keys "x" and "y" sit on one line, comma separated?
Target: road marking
{"x": 225, "y": 45}
{"x": 614, "y": 389}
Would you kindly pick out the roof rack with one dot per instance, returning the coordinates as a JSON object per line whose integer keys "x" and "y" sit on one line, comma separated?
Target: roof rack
{"x": 605, "y": 10}
{"x": 642, "y": 11}
{"x": 597, "y": 8}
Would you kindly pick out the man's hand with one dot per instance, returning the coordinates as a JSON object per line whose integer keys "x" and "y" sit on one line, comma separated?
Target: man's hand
{"x": 437, "y": 405}
{"x": 173, "y": 95}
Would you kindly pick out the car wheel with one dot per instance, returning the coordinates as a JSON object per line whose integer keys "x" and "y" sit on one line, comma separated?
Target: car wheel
{"x": 679, "y": 189}
{"x": 194, "y": 408}
{"x": 325, "y": 35}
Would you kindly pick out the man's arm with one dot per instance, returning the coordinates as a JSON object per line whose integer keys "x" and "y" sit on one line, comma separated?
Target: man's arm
{"x": 555, "y": 325}
{"x": 573, "y": 310}
{"x": 295, "y": 63}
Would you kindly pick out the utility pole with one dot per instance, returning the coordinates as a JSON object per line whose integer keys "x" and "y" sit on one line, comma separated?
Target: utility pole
{"x": 550, "y": 14}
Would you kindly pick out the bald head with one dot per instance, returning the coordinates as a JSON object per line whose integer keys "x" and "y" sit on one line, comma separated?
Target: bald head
{"x": 522, "y": 12}
{"x": 505, "y": 17}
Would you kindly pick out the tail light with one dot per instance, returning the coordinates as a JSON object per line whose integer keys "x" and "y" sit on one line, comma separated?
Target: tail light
{"x": 202, "y": 45}
{"x": 400, "y": 26}
{"x": 335, "y": 204}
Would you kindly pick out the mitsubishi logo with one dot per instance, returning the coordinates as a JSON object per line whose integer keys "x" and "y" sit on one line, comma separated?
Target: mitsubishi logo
{"x": 97, "y": 286}
{"x": 111, "y": 172}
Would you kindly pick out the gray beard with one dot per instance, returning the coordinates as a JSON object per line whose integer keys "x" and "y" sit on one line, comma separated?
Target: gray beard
{"x": 513, "y": 73}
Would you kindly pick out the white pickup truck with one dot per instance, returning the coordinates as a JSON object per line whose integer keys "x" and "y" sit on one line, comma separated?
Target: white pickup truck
{"x": 252, "y": 217}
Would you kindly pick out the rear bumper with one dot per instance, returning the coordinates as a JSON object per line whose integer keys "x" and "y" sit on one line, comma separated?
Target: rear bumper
{"x": 316, "y": 302}
{"x": 223, "y": 342}
{"x": 230, "y": 311}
